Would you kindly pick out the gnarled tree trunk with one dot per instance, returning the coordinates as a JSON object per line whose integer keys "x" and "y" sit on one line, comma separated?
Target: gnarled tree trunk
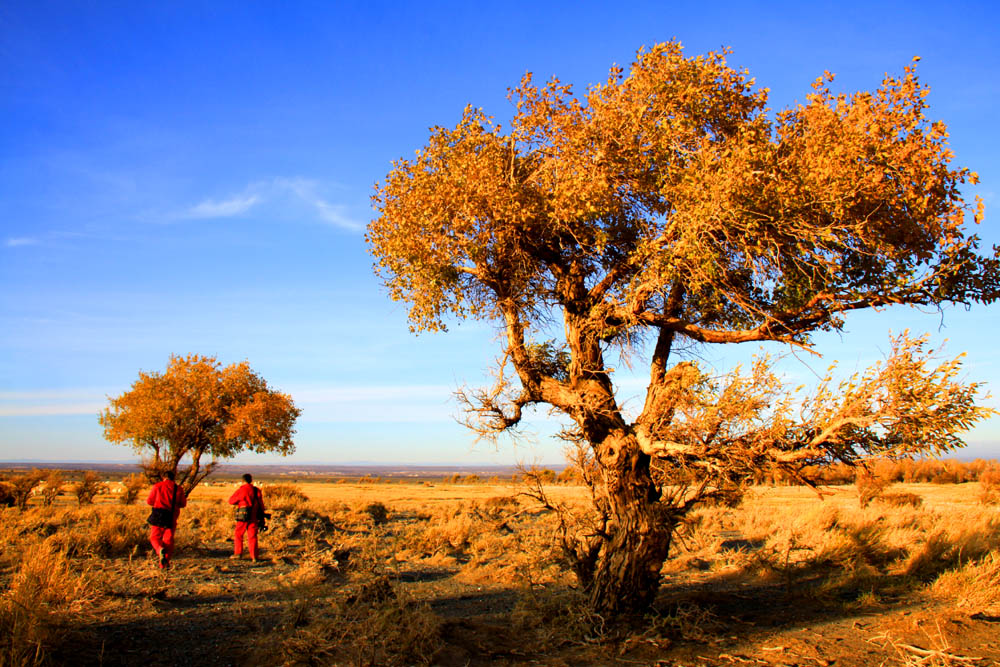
{"x": 625, "y": 575}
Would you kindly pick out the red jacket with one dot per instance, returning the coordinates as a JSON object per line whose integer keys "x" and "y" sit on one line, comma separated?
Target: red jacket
{"x": 250, "y": 496}
{"x": 163, "y": 492}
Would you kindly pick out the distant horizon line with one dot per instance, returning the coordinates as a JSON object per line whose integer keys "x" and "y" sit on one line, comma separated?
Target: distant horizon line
{"x": 353, "y": 464}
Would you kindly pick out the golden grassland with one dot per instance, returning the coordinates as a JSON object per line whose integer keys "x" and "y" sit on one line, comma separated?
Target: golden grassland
{"x": 436, "y": 573}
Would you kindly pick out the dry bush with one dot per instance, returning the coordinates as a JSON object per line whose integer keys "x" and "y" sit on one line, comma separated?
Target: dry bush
{"x": 89, "y": 487}
{"x": 131, "y": 487}
{"x": 284, "y": 497}
{"x": 53, "y": 487}
{"x": 869, "y": 486}
{"x": 377, "y": 512}
{"x": 989, "y": 486}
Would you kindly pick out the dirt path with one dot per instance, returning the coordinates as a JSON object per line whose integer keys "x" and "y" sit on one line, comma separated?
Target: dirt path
{"x": 200, "y": 612}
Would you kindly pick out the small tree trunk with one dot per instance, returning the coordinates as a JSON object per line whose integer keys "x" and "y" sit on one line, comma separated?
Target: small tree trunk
{"x": 626, "y": 574}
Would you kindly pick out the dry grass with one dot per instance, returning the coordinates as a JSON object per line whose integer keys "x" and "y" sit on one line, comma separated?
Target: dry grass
{"x": 350, "y": 561}
{"x": 43, "y": 592}
{"x": 370, "y": 624}
{"x": 285, "y": 497}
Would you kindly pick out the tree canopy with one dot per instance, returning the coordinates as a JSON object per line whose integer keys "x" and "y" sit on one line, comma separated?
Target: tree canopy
{"x": 198, "y": 407}
{"x": 669, "y": 204}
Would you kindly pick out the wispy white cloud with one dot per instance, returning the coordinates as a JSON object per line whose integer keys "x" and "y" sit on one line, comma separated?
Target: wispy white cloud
{"x": 289, "y": 193}
{"x": 307, "y": 191}
{"x": 21, "y": 241}
{"x": 51, "y": 410}
{"x": 226, "y": 208}
{"x": 52, "y": 402}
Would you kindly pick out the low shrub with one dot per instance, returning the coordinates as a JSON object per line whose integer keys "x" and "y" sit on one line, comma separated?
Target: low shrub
{"x": 989, "y": 487}
{"x": 869, "y": 486}
{"x": 378, "y": 513}
{"x": 131, "y": 488}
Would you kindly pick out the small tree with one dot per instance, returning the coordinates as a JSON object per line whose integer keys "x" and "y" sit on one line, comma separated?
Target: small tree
{"x": 668, "y": 207}
{"x": 131, "y": 487}
{"x": 88, "y": 488}
{"x": 21, "y": 487}
{"x": 198, "y": 408}
{"x": 53, "y": 487}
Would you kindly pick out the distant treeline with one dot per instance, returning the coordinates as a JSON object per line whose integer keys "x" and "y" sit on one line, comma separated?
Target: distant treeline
{"x": 932, "y": 471}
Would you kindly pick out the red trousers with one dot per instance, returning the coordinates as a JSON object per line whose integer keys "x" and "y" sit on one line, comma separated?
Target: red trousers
{"x": 250, "y": 528}
{"x": 162, "y": 538}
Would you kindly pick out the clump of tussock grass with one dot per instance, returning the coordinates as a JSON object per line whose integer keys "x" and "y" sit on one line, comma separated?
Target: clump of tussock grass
{"x": 27, "y": 635}
{"x": 974, "y": 585}
{"x": 371, "y": 623}
{"x": 900, "y": 499}
{"x": 315, "y": 568}
{"x": 45, "y": 577}
{"x": 43, "y": 592}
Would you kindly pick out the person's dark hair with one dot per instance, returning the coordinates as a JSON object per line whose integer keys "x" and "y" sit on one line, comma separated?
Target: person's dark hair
{"x": 169, "y": 474}
{"x": 248, "y": 478}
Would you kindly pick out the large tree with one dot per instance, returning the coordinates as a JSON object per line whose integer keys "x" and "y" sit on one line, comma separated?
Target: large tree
{"x": 668, "y": 205}
{"x": 199, "y": 408}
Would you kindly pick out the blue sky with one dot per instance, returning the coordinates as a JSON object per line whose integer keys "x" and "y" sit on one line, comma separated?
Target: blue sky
{"x": 195, "y": 178}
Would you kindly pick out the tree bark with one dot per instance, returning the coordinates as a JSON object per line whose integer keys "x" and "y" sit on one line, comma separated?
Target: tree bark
{"x": 626, "y": 573}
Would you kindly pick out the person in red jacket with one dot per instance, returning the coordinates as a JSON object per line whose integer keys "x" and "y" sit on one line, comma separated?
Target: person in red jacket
{"x": 250, "y": 512}
{"x": 165, "y": 494}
